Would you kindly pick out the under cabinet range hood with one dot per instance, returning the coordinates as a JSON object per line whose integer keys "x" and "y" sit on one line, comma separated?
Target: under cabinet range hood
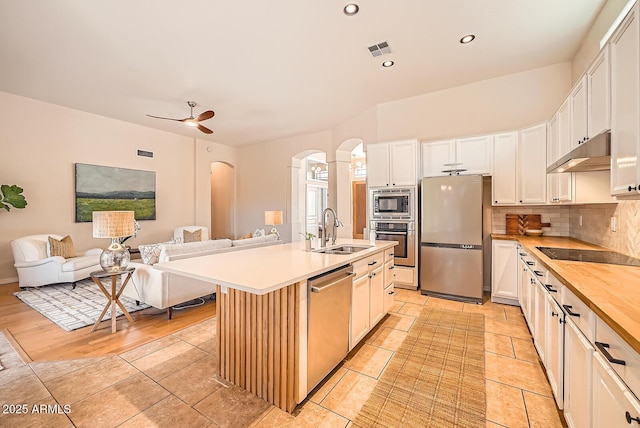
{"x": 592, "y": 155}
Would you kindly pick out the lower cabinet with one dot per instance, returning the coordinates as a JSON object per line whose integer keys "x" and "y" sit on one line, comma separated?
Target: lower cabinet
{"x": 554, "y": 349}
{"x": 504, "y": 272}
{"x": 539, "y": 319}
{"x": 613, "y": 404}
{"x": 359, "y": 310}
{"x": 578, "y": 353}
{"x": 376, "y": 296}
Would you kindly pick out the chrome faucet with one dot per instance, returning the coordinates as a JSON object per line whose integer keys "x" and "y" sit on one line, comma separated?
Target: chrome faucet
{"x": 336, "y": 223}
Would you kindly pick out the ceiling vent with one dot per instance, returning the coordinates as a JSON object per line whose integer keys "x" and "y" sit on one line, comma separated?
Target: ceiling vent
{"x": 145, "y": 153}
{"x": 379, "y": 49}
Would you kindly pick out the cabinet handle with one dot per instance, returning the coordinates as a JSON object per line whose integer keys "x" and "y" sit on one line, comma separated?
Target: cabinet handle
{"x": 603, "y": 348}
{"x": 538, "y": 273}
{"x": 550, "y": 288}
{"x": 569, "y": 311}
{"x": 630, "y": 419}
{"x": 521, "y": 201}
{"x": 495, "y": 202}
{"x": 391, "y": 293}
{"x": 523, "y": 254}
{"x": 554, "y": 314}
{"x": 373, "y": 274}
{"x": 632, "y": 188}
{"x": 530, "y": 263}
{"x": 391, "y": 267}
{"x": 373, "y": 263}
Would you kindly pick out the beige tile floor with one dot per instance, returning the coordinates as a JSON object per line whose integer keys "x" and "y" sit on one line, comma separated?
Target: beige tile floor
{"x": 169, "y": 382}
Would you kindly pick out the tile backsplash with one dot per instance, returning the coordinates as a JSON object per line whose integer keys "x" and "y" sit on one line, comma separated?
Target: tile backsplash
{"x": 596, "y": 223}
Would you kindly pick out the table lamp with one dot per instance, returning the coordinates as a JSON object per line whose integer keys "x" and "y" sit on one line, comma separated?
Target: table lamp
{"x": 114, "y": 225}
{"x": 273, "y": 218}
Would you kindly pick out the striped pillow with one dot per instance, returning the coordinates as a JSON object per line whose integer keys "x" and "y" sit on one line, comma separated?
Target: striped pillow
{"x": 63, "y": 247}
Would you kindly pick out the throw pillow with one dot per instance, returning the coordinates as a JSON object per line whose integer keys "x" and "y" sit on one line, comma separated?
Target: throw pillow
{"x": 258, "y": 232}
{"x": 63, "y": 247}
{"x": 150, "y": 253}
{"x": 194, "y": 236}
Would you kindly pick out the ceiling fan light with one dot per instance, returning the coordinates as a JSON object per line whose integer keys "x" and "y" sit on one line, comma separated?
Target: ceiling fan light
{"x": 191, "y": 122}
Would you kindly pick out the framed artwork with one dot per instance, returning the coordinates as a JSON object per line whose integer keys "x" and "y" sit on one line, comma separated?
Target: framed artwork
{"x": 105, "y": 188}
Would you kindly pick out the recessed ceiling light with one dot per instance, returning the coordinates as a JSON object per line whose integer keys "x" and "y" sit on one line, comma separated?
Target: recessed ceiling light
{"x": 351, "y": 9}
{"x": 387, "y": 63}
{"x": 467, "y": 39}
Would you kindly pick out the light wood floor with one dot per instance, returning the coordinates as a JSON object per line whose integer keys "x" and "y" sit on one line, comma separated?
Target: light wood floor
{"x": 43, "y": 340}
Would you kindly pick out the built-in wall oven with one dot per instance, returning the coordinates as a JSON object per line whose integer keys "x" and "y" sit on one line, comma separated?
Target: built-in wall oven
{"x": 404, "y": 233}
{"x": 393, "y": 204}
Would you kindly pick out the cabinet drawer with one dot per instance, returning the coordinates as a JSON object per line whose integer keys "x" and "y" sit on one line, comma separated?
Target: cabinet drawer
{"x": 586, "y": 322}
{"x": 618, "y": 349}
{"x": 403, "y": 275}
{"x": 366, "y": 265}
{"x": 555, "y": 287}
{"x": 388, "y": 254}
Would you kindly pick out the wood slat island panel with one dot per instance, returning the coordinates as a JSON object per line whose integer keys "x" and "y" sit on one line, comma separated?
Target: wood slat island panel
{"x": 258, "y": 342}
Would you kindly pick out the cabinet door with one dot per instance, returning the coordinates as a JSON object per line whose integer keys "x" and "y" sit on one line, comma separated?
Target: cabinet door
{"x": 389, "y": 273}
{"x": 554, "y": 349}
{"x": 578, "y": 354}
{"x": 625, "y": 107}
{"x": 503, "y": 183}
{"x": 376, "y": 296}
{"x": 359, "y": 310}
{"x": 578, "y": 99}
{"x": 532, "y": 165}
{"x": 378, "y": 165}
{"x": 474, "y": 154}
{"x": 403, "y": 163}
{"x": 504, "y": 271}
{"x": 389, "y": 293}
{"x": 540, "y": 319}
{"x": 435, "y": 156}
{"x": 599, "y": 94}
{"x": 612, "y": 401}
{"x": 553, "y": 143}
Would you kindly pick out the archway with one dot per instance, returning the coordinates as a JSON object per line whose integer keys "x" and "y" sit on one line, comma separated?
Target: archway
{"x": 223, "y": 201}
{"x": 349, "y": 198}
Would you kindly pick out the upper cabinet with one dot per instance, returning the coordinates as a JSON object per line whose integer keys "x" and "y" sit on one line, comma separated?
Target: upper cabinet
{"x": 392, "y": 164}
{"x": 599, "y": 94}
{"x": 578, "y": 111}
{"x": 532, "y": 165}
{"x": 625, "y": 107}
{"x": 503, "y": 183}
{"x": 558, "y": 138}
{"x": 473, "y": 154}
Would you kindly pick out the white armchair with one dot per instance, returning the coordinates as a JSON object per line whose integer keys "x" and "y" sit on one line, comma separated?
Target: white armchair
{"x": 35, "y": 267}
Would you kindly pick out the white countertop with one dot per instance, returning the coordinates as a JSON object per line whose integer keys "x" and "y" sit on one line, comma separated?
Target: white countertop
{"x": 266, "y": 269}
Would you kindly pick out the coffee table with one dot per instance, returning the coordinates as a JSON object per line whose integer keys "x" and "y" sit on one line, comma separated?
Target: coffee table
{"x": 113, "y": 297}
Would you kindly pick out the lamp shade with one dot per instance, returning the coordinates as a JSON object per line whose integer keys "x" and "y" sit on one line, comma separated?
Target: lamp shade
{"x": 113, "y": 224}
{"x": 273, "y": 217}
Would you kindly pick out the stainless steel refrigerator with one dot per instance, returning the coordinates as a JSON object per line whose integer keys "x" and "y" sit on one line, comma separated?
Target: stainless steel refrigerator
{"x": 451, "y": 255}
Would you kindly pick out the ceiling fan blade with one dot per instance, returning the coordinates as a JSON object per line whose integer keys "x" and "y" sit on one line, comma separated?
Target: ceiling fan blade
{"x": 204, "y": 116}
{"x": 166, "y": 118}
{"x": 205, "y": 129}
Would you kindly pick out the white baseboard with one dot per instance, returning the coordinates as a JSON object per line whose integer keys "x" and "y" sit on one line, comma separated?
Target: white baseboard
{"x": 8, "y": 280}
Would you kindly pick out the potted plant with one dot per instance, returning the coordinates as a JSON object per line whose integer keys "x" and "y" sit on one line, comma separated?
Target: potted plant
{"x": 11, "y": 195}
{"x": 307, "y": 240}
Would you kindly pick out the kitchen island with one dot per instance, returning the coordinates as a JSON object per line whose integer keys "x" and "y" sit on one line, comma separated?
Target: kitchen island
{"x": 262, "y": 302}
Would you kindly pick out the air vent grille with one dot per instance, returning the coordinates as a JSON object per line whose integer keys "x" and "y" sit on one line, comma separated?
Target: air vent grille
{"x": 379, "y": 49}
{"x": 145, "y": 154}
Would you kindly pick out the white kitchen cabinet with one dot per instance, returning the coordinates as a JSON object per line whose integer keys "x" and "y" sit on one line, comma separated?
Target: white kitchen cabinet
{"x": 503, "y": 182}
{"x": 376, "y": 296}
{"x": 389, "y": 277}
{"x": 532, "y": 165}
{"x": 528, "y": 297}
{"x": 599, "y": 94}
{"x": 539, "y": 320}
{"x": 577, "y": 377}
{"x": 392, "y": 164}
{"x": 578, "y": 109}
{"x": 359, "y": 310}
{"x": 435, "y": 157}
{"x": 554, "y": 349}
{"x": 625, "y": 107}
{"x": 504, "y": 272}
{"x": 473, "y": 154}
{"x": 613, "y": 405}
{"x": 558, "y": 139}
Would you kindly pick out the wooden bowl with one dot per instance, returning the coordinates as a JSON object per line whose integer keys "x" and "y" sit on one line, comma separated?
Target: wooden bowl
{"x": 533, "y": 232}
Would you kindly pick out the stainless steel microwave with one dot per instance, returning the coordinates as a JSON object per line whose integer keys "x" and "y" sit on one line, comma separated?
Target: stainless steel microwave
{"x": 397, "y": 203}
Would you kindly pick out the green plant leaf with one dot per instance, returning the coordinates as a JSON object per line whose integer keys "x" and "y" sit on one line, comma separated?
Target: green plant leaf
{"x": 5, "y": 206}
{"x": 12, "y": 195}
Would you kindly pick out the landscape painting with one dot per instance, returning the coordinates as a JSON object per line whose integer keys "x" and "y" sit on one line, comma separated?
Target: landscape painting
{"x": 105, "y": 188}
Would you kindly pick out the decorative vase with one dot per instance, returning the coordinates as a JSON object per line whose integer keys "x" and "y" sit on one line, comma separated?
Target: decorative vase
{"x": 307, "y": 244}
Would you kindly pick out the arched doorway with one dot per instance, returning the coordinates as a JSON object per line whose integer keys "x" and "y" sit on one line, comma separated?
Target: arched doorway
{"x": 223, "y": 185}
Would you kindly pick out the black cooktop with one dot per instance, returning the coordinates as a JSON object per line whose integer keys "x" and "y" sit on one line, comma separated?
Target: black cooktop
{"x": 591, "y": 256}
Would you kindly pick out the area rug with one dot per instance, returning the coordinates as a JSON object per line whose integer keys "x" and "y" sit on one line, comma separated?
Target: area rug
{"x": 70, "y": 308}
{"x": 435, "y": 379}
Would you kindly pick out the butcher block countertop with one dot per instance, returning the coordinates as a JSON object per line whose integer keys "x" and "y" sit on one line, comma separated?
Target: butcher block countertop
{"x": 611, "y": 291}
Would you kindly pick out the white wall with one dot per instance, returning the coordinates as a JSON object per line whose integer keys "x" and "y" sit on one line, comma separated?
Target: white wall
{"x": 40, "y": 144}
{"x": 504, "y": 103}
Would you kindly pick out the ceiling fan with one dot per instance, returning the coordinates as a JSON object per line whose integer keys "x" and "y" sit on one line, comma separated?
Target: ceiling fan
{"x": 193, "y": 121}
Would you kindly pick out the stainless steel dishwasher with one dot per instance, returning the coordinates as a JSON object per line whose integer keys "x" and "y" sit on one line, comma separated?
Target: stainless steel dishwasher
{"x": 329, "y": 316}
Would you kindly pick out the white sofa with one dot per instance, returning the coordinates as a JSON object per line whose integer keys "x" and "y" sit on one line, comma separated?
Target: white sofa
{"x": 163, "y": 290}
{"x": 35, "y": 267}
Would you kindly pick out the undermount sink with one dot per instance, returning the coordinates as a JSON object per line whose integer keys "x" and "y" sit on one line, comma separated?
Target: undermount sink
{"x": 343, "y": 249}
